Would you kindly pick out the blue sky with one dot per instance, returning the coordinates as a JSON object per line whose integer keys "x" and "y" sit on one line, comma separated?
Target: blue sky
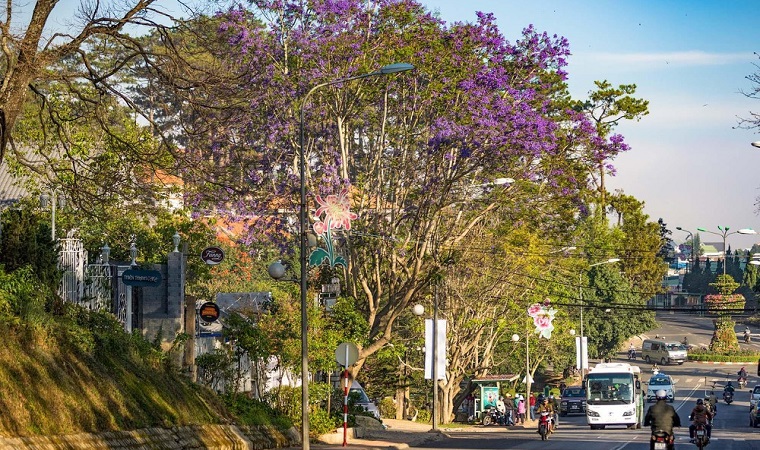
{"x": 689, "y": 59}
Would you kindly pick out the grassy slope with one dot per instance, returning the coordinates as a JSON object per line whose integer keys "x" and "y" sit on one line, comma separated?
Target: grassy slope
{"x": 49, "y": 386}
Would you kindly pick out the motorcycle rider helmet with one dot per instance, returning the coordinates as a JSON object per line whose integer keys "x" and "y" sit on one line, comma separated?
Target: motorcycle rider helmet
{"x": 700, "y": 401}
{"x": 661, "y": 394}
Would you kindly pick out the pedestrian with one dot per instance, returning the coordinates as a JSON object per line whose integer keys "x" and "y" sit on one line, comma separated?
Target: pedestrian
{"x": 521, "y": 411}
{"x": 510, "y": 411}
{"x": 532, "y": 404}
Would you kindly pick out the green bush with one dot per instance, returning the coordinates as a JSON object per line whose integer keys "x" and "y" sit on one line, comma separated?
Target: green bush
{"x": 423, "y": 416}
{"x": 253, "y": 412}
{"x": 387, "y": 407}
{"x": 733, "y": 356}
{"x": 321, "y": 422}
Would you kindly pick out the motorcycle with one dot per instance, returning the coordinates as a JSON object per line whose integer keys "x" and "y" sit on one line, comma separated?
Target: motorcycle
{"x": 742, "y": 382}
{"x": 728, "y": 397}
{"x": 544, "y": 425}
{"x": 631, "y": 354}
{"x": 661, "y": 441}
{"x": 493, "y": 415}
{"x": 700, "y": 436}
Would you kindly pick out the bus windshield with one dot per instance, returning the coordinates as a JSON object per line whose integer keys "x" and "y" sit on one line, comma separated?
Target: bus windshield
{"x": 609, "y": 388}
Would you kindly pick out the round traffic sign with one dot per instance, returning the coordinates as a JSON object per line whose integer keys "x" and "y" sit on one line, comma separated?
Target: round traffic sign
{"x": 346, "y": 354}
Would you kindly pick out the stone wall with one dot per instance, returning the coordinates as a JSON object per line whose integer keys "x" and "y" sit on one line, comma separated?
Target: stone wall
{"x": 217, "y": 437}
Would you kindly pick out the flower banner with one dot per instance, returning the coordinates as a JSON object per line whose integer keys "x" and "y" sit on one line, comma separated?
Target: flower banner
{"x": 542, "y": 315}
{"x": 337, "y": 215}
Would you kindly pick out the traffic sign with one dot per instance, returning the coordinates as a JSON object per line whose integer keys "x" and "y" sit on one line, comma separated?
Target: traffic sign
{"x": 346, "y": 354}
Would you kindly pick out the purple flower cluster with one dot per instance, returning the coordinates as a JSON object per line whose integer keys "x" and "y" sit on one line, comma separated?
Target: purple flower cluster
{"x": 476, "y": 107}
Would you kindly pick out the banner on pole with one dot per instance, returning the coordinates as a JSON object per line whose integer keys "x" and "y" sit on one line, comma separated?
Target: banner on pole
{"x": 440, "y": 349}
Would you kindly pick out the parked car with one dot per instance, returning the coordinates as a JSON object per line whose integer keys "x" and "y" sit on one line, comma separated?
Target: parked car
{"x": 754, "y": 396}
{"x": 661, "y": 381}
{"x": 754, "y": 416}
{"x": 360, "y": 398}
{"x": 572, "y": 401}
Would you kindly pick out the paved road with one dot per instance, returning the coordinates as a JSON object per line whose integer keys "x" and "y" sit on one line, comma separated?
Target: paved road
{"x": 693, "y": 380}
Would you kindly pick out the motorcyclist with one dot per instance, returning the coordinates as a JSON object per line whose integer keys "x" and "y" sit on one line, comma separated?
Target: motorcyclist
{"x": 547, "y": 407}
{"x": 713, "y": 402}
{"x": 728, "y": 392}
{"x": 555, "y": 405}
{"x": 662, "y": 416}
{"x": 685, "y": 341}
{"x": 743, "y": 374}
{"x": 700, "y": 415}
{"x": 631, "y": 352}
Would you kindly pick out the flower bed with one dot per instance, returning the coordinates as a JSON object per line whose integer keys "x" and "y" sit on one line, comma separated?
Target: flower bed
{"x": 722, "y": 304}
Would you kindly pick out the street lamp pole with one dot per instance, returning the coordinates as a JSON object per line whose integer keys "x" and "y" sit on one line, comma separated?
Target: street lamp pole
{"x": 581, "y": 345}
{"x": 691, "y": 256}
{"x": 385, "y": 70}
{"x": 724, "y": 234}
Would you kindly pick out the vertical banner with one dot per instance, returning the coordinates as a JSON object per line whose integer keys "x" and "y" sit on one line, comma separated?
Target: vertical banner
{"x": 581, "y": 352}
{"x": 440, "y": 349}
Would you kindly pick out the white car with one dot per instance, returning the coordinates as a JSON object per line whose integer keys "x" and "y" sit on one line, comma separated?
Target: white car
{"x": 661, "y": 381}
{"x": 754, "y": 396}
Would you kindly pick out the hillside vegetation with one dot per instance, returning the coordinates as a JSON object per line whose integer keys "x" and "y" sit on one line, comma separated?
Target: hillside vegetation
{"x": 78, "y": 372}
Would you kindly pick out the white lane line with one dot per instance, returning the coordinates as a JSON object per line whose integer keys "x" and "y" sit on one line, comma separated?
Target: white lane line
{"x": 686, "y": 399}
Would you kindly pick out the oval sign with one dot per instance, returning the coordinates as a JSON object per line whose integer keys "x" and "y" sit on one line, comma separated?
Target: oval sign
{"x": 212, "y": 255}
{"x": 209, "y": 312}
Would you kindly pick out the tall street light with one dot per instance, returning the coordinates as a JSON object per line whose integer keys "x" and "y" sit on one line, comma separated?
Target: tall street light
{"x": 304, "y": 258}
{"x": 54, "y": 200}
{"x": 583, "y": 361}
{"x": 724, "y": 234}
{"x": 691, "y": 256}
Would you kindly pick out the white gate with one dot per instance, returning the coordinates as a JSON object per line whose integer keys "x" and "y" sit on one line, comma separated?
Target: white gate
{"x": 87, "y": 285}
{"x": 72, "y": 260}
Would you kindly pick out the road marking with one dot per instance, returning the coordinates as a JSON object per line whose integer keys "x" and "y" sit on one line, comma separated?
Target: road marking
{"x": 686, "y": 399}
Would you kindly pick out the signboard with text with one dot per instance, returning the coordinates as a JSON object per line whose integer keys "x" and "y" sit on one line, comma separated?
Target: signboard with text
{"x": 139, "y": 277}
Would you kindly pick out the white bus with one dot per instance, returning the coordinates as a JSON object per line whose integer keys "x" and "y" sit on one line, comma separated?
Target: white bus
{"x": 613, "y": 396}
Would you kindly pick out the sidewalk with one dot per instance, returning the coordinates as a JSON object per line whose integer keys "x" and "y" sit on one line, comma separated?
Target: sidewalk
{"x": 400, "y": 435}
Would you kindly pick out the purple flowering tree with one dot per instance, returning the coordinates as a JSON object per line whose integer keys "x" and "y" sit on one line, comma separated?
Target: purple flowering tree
{"x": 418, "y": 154}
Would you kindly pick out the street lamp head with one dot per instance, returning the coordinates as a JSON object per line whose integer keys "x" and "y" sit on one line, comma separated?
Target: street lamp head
{"x": 276, "y": 270}
{"x": 756, "y": 144}
{"x": 747, "y": 231}
{"x": 613, "y": 260}
{"x": 700, "y": 229}
{"x": 515, "y": 337}
{"x": 418, "y": 310}
{"x": 395, "y": 68}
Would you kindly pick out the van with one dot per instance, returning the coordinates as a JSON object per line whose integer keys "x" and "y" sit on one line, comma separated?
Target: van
{"x": 658, "y": 351}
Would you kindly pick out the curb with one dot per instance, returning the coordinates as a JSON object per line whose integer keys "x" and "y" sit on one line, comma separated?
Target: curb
{"x": 729, "y": 363}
